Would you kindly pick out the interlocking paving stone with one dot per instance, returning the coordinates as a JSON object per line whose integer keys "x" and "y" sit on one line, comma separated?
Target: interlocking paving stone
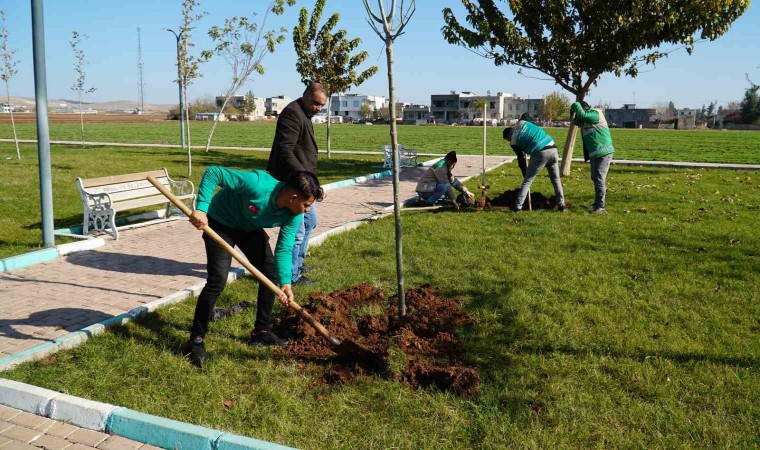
{"x": 87, "y": 437}
{"x": 119, "y": 443}
{"x": 19, "y": 433}
{"x": 51, "y": 442}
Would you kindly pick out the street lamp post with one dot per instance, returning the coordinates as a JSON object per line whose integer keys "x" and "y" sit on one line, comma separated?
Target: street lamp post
{"x": 180, "y": 83}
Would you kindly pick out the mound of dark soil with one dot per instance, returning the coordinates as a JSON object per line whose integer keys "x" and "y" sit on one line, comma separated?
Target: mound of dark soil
{"x": 421, "y": 350}
{"x": 537, "y": 199}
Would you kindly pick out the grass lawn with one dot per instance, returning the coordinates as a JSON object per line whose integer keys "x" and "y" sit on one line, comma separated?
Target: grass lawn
{"x": 634, "y": 329}
{"x": 20, "y": 230}
{"x": 661, "y": 145}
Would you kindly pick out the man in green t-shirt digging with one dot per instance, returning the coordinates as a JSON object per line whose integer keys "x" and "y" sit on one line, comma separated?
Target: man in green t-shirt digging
{"x": 597, "y": 147}
{"x": 246, "y": 204}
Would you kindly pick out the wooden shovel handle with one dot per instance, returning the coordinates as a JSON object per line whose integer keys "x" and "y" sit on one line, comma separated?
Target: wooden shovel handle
{"x": 242, "y": 260}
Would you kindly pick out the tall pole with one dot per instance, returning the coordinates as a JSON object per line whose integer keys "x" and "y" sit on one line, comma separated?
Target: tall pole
{"x": 140, "y": 96}
{"x": 180, "y": 83}
{"x": 43, "y": 131}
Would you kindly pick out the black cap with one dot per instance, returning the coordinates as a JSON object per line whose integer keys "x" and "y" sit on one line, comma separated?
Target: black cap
{"x": 451, "y": 156}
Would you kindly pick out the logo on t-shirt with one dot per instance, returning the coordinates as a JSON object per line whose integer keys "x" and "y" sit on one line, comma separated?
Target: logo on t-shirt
{"x": 253, "y": 209}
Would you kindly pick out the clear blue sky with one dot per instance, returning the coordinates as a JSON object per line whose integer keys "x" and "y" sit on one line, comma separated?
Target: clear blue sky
{"x": 424, "y": 63}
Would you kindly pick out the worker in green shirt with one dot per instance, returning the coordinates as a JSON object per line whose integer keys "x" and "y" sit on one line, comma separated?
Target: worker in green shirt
{"x": 246, "y": 204}
{"x": 597, "y": 147}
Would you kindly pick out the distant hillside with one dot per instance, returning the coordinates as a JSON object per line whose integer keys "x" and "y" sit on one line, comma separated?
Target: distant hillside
{"x": 112, "y": 106}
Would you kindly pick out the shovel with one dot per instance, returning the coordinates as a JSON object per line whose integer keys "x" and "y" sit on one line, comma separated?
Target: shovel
{"x": 346, "y": 348}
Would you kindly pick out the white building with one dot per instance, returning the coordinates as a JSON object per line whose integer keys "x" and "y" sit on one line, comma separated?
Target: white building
{"x": 349, "y": 106}
{"x": 461, "y": 106}
{"x": 238, "y": 102}
{"x": 274, "y": 105}
{"x": 6, "y": 108}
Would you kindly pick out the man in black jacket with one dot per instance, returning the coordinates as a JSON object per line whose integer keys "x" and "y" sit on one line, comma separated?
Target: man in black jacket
{"x": 295, "y": 150}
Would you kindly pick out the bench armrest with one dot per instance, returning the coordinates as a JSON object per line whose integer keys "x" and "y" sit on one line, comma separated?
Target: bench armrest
{"x": 98, "y": 202}
{"x": 182, "y": 187}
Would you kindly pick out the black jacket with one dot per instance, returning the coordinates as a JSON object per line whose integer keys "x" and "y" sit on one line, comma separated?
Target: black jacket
{"x": 294, "y": 148}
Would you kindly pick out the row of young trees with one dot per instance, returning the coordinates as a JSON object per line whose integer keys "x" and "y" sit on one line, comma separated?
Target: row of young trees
{"x": 8, "y": 70}
{"x": 573, "y": 42}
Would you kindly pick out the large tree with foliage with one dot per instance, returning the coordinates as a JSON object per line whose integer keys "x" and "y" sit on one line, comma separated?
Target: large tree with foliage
{"x": 325, "y": 56}
{"x": 7, "y": 70}
{"x": 576, "y": 41}
{"x": 389, "y": 22}
{"x": 556, "y": 106}
{"x": 243, "y": 44}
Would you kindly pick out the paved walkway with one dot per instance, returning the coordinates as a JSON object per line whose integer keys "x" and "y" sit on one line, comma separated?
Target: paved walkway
{"x": 24, "y": 431}
{"x": 50, "y": 300}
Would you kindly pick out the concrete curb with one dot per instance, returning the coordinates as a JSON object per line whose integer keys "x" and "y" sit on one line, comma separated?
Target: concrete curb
{"x": 48, "y": 254}
{"x": 124, "y": 422}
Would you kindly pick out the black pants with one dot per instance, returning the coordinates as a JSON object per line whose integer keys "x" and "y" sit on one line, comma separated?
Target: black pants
{"x": 255, "y": 247}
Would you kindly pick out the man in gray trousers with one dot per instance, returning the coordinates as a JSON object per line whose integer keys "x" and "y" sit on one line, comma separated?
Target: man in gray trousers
{"x": 528, "y": 138}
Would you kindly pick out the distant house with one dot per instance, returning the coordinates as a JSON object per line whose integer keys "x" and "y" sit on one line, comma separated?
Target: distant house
{"x": 349, "y": 106}
{"x": 239, "y": 102}
{"x": 6, "y": 108}
{"x": 461, "y": 106}
{"x": 416, "y": 114}
{"x": 629, "y": 116}
{"x": 273, "y": 106}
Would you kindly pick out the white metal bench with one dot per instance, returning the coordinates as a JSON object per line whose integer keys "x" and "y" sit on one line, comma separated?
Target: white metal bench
{"x": 407, "y": 157}
{"x": 103, "y": 197}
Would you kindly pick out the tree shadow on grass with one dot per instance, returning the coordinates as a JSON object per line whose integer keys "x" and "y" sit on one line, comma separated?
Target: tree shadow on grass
{"x": 679, "y": 358}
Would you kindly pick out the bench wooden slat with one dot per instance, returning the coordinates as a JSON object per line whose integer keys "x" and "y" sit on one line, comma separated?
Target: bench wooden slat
{"x": 145, "y": 201}
{"x": 124, "y": 188}
{"x": 116, "y": 179}
{"x": 122, "y": 195}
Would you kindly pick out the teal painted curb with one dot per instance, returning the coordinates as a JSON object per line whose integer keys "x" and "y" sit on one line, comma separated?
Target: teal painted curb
{"x": 22, "y": 356}
{"x": 28, "y": 259}
{"x": 159, "y": 431}
{"x": 168, "y": 433}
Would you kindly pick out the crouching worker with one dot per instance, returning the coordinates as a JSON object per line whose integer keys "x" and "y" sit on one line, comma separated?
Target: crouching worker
{"x": 528, "y": 138}
{"x": 246, "y": 204}
{"x": 438, "y": 183}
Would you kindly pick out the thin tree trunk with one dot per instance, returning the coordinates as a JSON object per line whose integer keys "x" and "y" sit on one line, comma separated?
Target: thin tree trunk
{"x": 81, "y": 117}
{"x": 329, "y": 105}
{"x": 187, "y": 139}
{"x": 396, "y": 201}
{"x": 216, "y": 121}
{"x": 567, "y": 153}
{"x": 13, "y": 123}
{"x": 483, "y": 177}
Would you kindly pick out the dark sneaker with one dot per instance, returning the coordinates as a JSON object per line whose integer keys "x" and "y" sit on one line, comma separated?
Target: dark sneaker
{"x": 195, "y": 351}
{"x": 306, "y": 269}
{"x": 561, "y": 208}
{"x": 599, "y": 211}
{"x": 266, "y": 337}
{"x": 303, "y": 281}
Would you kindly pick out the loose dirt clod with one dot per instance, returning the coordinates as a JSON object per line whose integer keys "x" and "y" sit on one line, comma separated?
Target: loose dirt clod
{"x": 419, "y": 351}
